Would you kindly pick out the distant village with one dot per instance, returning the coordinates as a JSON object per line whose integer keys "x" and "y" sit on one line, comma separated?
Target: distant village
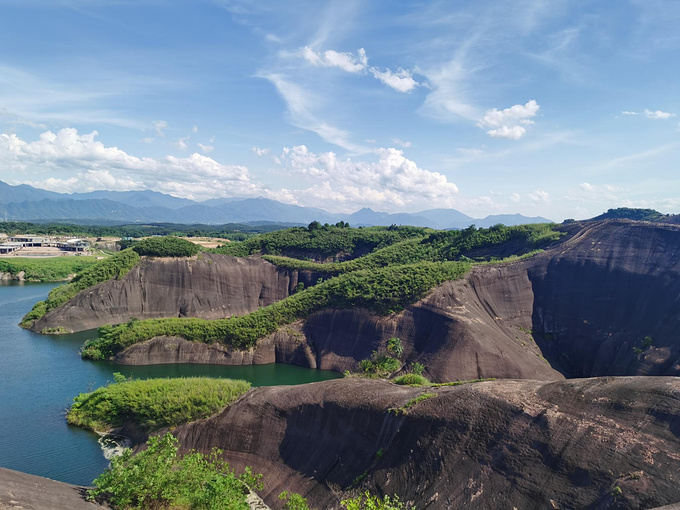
{"x": 44, "y": 246}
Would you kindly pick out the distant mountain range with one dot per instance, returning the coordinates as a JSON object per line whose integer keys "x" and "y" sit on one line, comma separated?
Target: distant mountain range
{"x": 25, "y": 203}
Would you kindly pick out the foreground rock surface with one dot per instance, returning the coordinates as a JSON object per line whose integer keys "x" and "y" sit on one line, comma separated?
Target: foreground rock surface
{"x": 24, "y": 491}
{"x": 588, "y": 443}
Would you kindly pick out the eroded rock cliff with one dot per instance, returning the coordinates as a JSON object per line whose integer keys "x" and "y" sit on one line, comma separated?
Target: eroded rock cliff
{"x": 589, "y": 443}
{"x": 210, "y": 286}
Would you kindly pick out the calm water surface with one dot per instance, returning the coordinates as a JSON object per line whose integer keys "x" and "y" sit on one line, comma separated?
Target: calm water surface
{"x": 40, "y": 375}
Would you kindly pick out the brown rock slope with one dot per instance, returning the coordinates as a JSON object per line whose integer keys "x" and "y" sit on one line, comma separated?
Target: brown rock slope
{"x": 501, "y": 444}
{"x": 210, "y": 286}
{"x": 29, "y": 492}
{"x": 585, "y": 305}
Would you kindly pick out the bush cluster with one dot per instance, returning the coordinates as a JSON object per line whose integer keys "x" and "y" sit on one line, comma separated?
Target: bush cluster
{"x": 159, "y": 478}
{"x": 167, "y": 246}
{"x": 322, "y": 240}
{"x": 437, "y": 246}
{"x": 153, "y": 403}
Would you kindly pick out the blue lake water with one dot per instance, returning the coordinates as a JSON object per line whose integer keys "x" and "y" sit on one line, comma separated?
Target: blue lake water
{"x": 40, "y": 375}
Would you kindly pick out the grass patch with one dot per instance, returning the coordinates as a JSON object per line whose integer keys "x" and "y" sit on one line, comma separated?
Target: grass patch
{"x": 460, "y": 383}
{"x": 411, "y": 403}
{"x": 384, "y": 291}
{"x": 411, "y": 380}
{"x": 48, "y": 269}
{"x": 116, "y": 266}
{"x": 153, "y": 403}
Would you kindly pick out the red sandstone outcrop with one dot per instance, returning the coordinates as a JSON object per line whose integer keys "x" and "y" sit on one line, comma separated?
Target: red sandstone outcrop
{"x": 589, "y": 443}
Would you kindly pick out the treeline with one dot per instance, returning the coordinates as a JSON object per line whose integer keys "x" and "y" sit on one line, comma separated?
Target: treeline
{"x": 436, "y": 246}
{"x": 232, "y": 231}
{"x": 322, "y": 240}
{"x": 115, "y": 266}
{"x": 46, "y": 269}
{"x": 385, "y": 290}
{"x": 167, "y": 246}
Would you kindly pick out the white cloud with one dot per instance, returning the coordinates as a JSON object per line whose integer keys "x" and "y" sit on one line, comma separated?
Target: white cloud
{"x": 626, "y": 112}
{"x": 349, "y": 62}
{"x": 509, "y": 133}
{"x": 182, "y": 143}
{"x": 402, "y": 80}
{"x": 392, "y": 182}
{"x": 658, "y": 114}
{"x": 205, "y": 148}
{"x": 401, "y": 143}
{"x": 506, "y": 123}
{"x": 259, "y": 151}
{"x": 539, "y": 196}
{"x": 69, "y": 161}
{"x": 159, "y": 126}
{"x": 301, "y": 103}
{"x": 586, "y": 186}
{"x": 514, "y": 197}
{"x": 194, "y": 129}
{"x": 212, "y": 139}
{"x": 148, "y": 139}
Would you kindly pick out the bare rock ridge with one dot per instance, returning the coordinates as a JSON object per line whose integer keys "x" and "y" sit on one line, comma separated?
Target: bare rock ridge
{"x": 210, "y": 286}
{"x": 589, "y": 443}
{"x": 30, "y": 492}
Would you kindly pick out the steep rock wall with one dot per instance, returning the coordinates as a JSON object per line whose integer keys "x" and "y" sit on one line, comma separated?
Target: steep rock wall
{"x": 210, "y": 286}
{"x": 501, "y": 444}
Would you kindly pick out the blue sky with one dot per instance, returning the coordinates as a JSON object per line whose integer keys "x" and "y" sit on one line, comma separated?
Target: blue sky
{"x": 554, "y": 108}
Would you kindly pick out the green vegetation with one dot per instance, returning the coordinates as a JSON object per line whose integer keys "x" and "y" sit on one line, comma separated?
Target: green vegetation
{"x": 168, "y": 246}
{"x": 385, "y": 290}
{"x": 116, "y": 266}
{"x": 647, "y": 342}
{"x": 437, "y": 246}
{"x": 459, "y": 383}
{"x": 233, "y": 231}
{"x": 48, "y": 269}
{"x": 405, "y": 264}
{"x": 629, "y": 213}
{"x": 411, "y": 403}
{"x": 158, "y": 478}
{"x": 322, "y": 240}
{"x": 293, "y": 501}
{"x": 411, "y": 380}
{"x": 153, "y": 403}
{"x": 368, "y": 501}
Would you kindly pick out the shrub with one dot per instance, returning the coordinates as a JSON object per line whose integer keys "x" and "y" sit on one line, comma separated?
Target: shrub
{"x": 368, "y": 501}
{"x": 411, "y": 380}
{"x": 159, "y": 478}
{"x": 293, "y": 501}
{"x": 417, "y": 368}
{"x": 153, "y": 403}
{"x": 395, "y": 348}
{"x": 168, "y": 246}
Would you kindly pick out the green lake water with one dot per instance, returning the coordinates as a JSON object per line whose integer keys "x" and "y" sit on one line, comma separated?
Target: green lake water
{"x": 40, "y": 375}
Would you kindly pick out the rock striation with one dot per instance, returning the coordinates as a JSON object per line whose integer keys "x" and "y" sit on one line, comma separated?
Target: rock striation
{"x": 605, "y": 301}
{"x": 209, "y": 286}
{"x": 588, "y": 443}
